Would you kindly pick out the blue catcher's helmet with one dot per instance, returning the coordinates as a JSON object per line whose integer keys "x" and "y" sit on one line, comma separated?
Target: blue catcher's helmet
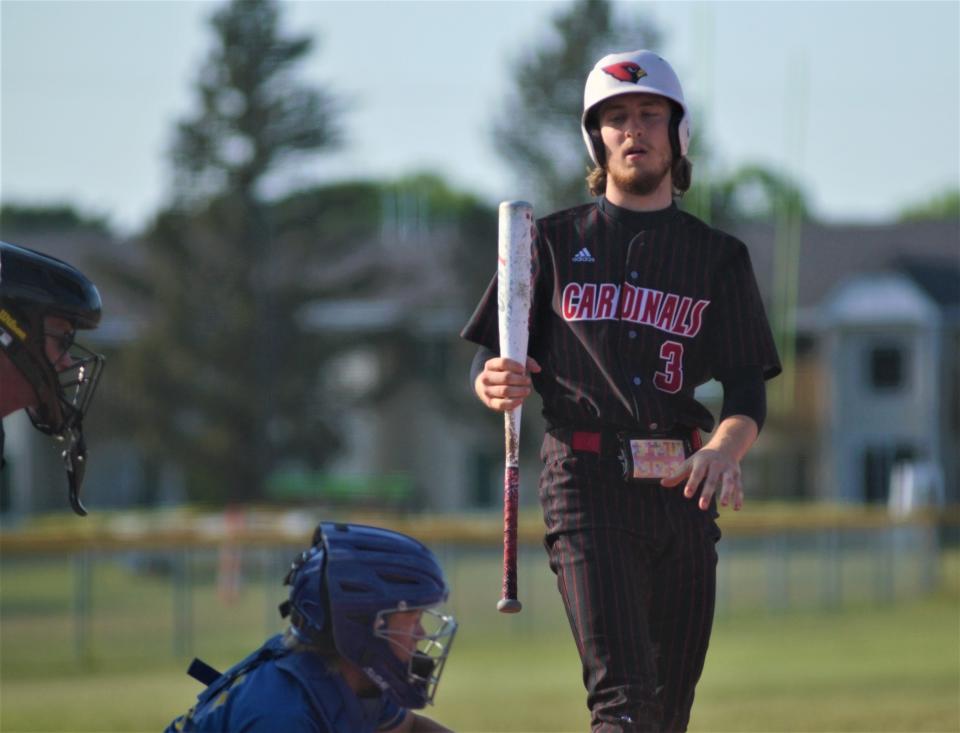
{"x": 372, "y": 594}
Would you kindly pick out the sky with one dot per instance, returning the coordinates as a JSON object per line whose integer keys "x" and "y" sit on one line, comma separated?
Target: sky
{"x": 857, "y": 101}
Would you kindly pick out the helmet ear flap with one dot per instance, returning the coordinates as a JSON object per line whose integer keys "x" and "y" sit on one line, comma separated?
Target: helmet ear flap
{"x": 593, "y": 130}
{"x": 309, "y": 605}
{"x": 598, "y": 148}
{"x": 676, "y": 115}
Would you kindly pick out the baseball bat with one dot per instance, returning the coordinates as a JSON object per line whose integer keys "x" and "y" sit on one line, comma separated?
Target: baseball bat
{"x": 514, "y": 274}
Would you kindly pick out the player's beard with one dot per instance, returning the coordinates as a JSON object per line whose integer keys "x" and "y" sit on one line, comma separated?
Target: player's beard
{"x": 639, "y": 182}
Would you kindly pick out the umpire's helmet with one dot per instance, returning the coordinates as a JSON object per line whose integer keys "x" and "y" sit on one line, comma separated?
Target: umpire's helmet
{"x": 344, "y": 590}
{"x": 631, "y": 73}
{"x": 34, "y": 286}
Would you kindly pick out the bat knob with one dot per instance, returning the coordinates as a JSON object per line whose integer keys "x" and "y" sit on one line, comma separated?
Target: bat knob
{"x": 509, "y": 605}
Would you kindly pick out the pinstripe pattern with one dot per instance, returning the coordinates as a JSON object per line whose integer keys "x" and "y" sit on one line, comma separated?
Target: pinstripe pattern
{"x": 600, "y": 373}
{"x": 635, "y": 563}
{"x": 636, "y": 568}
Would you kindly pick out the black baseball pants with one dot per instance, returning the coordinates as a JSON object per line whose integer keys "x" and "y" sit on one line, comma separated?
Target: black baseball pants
{"x": 636, "y": 567}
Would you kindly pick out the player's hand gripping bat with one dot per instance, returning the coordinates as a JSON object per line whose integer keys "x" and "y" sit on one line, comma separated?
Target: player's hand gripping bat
{"x": 514, "y": 274}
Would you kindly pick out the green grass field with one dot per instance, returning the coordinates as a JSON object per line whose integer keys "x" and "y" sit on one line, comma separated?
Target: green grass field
{"x": 863, "y": 668}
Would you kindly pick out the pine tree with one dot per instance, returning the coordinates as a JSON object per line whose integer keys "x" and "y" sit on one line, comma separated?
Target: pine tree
{"x": 224, "y": 372}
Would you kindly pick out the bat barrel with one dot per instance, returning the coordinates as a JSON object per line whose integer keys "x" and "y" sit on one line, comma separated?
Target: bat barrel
{"x": 514, "y": 255}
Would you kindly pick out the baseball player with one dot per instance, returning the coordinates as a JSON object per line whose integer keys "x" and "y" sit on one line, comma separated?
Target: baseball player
{"x": 635, "y": 304}
{"x": 365, "y": 647}
{"x": 43, "y": 302}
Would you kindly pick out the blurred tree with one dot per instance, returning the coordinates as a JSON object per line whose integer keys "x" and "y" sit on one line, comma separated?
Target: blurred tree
{"x": 755, "y": 193}
{"x": 944, "y": 205}
{"x": 538, "y": 131}
{"x": 422, "y": 257}
{"x": 23, "y": 219}
{"x": 254, "y": 115}
{"x": 224, "y": 379}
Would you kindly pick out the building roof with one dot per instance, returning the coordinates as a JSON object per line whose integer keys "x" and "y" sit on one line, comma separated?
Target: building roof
{"x": 939, "y": 279}
{"x": 927, "y": 251}
{"x": 881, "y": 299}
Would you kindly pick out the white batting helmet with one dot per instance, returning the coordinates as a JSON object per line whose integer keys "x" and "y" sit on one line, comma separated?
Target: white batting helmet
{"x": 633, "y": 72}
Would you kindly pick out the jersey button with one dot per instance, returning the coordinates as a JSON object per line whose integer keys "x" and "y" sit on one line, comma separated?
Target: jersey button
{"x": 632, "y": 334}
{"x": 653, "y": 426}
{"x": 634, "y": 275}
{"x": 636, "y": 380}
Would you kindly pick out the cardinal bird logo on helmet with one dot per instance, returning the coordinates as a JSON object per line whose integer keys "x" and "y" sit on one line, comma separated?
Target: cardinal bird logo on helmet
{"x": 626, "y": 71}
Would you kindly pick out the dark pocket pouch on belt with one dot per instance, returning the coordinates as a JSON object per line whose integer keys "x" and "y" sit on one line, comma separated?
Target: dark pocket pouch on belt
{"x": 646, "y": 457}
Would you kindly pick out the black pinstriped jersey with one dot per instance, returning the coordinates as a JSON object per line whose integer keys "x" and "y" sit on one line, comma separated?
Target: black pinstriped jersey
{"x": 631, "y": 312}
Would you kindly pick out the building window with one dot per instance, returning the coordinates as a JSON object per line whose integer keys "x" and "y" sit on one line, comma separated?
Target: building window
{"x": 887, "y": 368}
{"x": 435, "y": 357}
{"x": 878, "y": 463}
{"x": 483, "y": 479}
{"x": 806, "y": 345}
{"x": 953, "y": 386}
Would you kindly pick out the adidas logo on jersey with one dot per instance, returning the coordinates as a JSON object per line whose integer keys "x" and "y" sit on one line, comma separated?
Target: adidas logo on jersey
{"x": 583, "y": 256}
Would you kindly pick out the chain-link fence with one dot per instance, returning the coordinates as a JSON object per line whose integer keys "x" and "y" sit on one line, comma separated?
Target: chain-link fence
{"x": 124, "y": 600}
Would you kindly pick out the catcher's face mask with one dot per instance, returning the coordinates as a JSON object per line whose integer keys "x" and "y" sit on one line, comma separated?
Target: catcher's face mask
{"x": 64, "y": 377}
{"x": 420, "y": 638}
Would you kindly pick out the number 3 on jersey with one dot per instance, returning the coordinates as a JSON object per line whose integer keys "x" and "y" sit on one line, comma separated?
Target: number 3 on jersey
{"x": 671, "y": 378}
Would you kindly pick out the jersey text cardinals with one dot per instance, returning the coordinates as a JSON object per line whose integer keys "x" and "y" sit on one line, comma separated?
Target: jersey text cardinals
{"x": 668, "y": 312}
{"x": 631, "y": 312}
